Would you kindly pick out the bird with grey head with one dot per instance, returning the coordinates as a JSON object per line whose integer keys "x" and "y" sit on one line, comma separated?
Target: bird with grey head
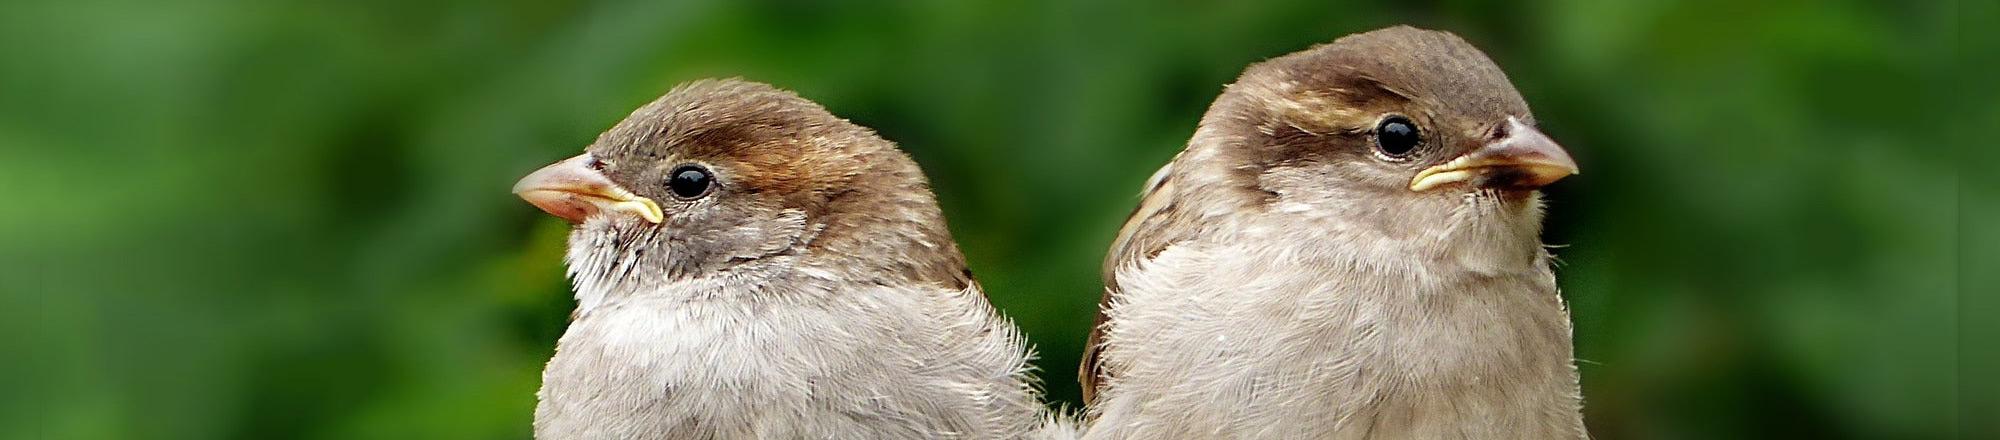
{"x": 748, "y": 265}
{"x": 1348, "y": 247}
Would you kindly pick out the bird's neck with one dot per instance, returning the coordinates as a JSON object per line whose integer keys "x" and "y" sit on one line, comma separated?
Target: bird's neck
{"x": 603, "y": 276}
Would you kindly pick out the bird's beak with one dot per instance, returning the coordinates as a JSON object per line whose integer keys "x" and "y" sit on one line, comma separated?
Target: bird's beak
{"x": 574, "y": 190}
{"x": 1524, "y": 159}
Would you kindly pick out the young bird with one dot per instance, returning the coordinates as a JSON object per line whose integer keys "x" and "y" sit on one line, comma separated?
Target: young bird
{"x": 1348, "y": 248}
{"x": 747, "y": 265}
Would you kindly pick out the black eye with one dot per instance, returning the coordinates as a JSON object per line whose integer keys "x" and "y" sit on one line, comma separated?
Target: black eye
{"x": 690, "y": 181}
{"x": 1397, "y": 136}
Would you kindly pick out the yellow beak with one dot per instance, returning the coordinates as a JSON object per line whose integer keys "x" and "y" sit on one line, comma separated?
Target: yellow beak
{"x": 574, "y": 190}
{"x": 1525, "y": 159}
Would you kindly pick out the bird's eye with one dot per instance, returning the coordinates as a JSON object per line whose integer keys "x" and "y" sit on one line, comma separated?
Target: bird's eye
{"x": 1396, "y": 137}
{"x": 690, "y": 181}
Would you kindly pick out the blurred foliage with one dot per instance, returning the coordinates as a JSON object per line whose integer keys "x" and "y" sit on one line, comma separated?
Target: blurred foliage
{"x": 242, "y": 219}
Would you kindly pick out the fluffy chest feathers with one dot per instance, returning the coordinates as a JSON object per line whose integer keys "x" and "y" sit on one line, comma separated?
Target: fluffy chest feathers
{"x": 886, "y": 363}
{"x": 1299, "y": 335}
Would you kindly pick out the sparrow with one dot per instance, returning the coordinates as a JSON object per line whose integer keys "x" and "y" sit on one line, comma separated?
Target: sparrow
{"x": 748, "y": 265}
{"x": 1347, "y": 248}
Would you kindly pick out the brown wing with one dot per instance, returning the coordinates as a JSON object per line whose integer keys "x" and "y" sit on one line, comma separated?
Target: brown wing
{"x": 1144, "y": 235}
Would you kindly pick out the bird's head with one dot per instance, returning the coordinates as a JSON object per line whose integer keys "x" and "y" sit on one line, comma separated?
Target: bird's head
{"x": 729, "y": 177}
{"x": 1395, "y": 125}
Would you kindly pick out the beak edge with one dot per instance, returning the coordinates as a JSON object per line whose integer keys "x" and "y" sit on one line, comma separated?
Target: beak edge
{"x": 570, "y": 189}
{"x": 1539, "y": 160}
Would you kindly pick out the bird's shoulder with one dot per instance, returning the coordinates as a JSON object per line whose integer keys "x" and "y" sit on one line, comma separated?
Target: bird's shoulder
{"x": 1160, "y": 221}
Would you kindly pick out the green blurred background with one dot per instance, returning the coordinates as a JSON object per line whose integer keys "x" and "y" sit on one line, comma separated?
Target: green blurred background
{"x": 276, "y": 219}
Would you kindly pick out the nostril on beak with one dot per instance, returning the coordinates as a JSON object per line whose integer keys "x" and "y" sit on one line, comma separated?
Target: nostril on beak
{"x": 1498, "y": 132}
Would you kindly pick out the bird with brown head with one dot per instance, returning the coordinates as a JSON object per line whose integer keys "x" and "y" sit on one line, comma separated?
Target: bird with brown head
{"x": 1349, "y": 247}
{"x": 748, "y": 265}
